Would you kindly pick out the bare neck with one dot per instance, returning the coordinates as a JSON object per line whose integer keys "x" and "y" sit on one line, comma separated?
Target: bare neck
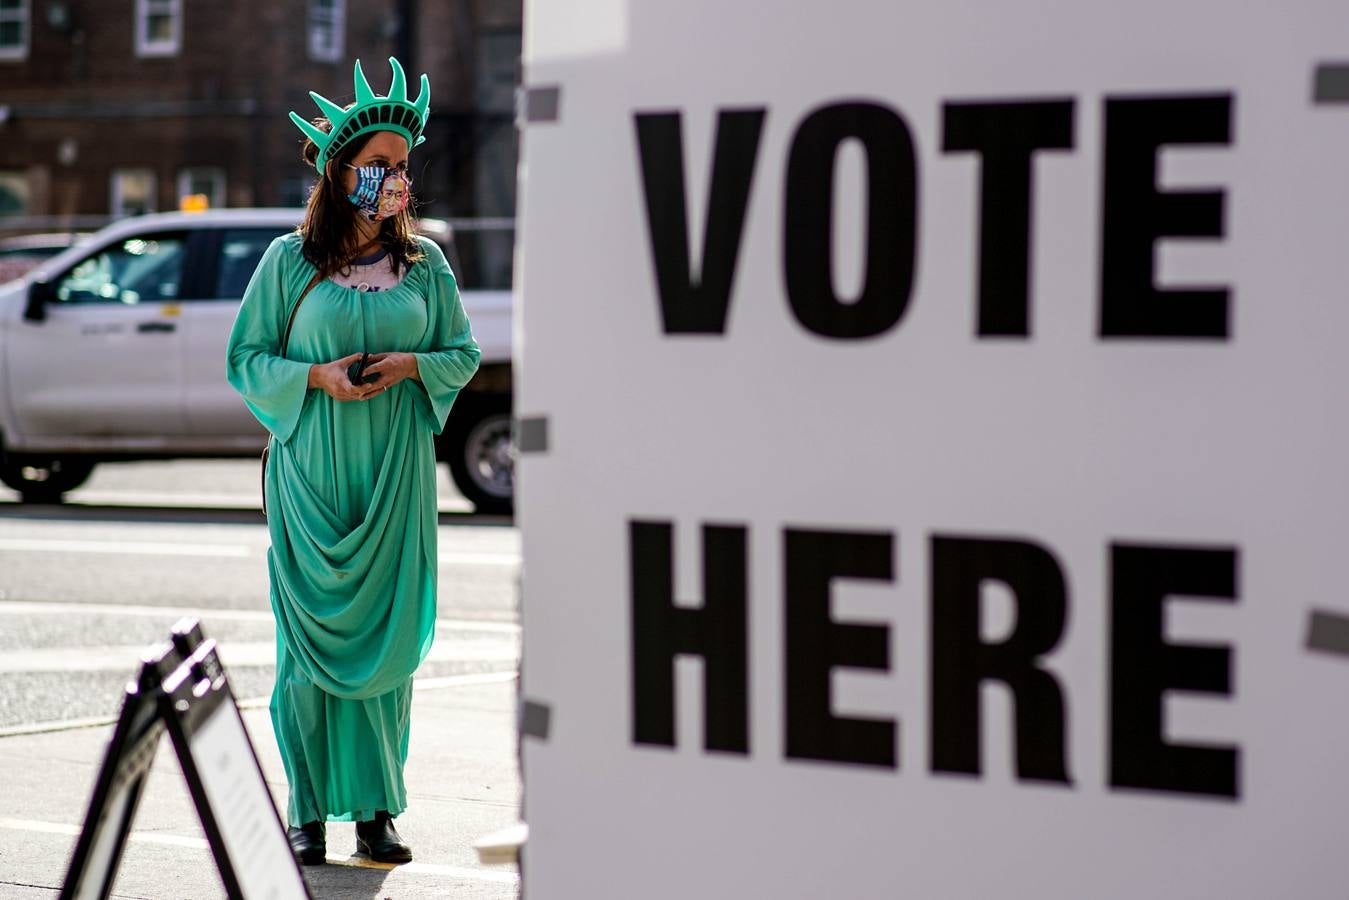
{"x": 366, "y": 233}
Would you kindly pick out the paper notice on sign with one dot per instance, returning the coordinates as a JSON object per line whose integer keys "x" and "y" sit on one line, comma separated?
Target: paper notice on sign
{"x": 243, "y": 809}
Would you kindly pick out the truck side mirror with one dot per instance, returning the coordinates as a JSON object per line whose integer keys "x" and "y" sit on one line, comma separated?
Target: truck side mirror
{"x": 40, "y": 293}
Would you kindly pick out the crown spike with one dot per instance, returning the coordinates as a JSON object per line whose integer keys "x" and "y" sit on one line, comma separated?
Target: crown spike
{"x": 315, "y": 134}
{"x": 398, "y": 90}
{"x": 331, "y": 110}
{"x": 364, "y": 94}
{"x": 423, "y": 102}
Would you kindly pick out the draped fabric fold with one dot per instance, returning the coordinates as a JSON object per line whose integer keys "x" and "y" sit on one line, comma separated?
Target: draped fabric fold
{"x": 351, "y": 496}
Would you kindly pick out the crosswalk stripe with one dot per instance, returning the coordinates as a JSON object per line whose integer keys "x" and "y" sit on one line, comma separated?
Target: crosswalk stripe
{"x": 196, "y": 843}
{"x": 418, "y": 684}
{"x": 447, "y": 557}
{"x": 234, "y": 654}
{"x": 145, "y": 548}
{"x": 31, "y": 607}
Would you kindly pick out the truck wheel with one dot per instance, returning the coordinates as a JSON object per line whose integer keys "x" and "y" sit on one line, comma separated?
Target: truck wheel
{"x": 481, "y": 455}
{"x": 44, "y": 480}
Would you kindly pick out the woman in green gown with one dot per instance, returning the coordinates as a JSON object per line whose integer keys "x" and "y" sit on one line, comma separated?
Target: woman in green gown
{"x": 350, "y": 484}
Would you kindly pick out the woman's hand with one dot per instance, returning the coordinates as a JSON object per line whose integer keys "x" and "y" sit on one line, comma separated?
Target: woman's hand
{"x": 392, "y": 368}
{"x": 331, "y": 378}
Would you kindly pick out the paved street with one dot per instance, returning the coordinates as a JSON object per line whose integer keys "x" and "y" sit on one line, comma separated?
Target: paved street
{"x": 85, "y": 587}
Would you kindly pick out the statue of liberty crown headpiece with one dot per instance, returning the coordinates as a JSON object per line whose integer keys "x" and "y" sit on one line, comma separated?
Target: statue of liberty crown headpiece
{"x": 393, "y": 112}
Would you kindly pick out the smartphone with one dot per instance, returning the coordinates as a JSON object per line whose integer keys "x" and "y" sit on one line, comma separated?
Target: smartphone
{"x": 356, "y": 372}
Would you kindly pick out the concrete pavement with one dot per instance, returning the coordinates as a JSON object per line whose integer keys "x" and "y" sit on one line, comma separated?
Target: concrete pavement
{"x": 462, "y": 784}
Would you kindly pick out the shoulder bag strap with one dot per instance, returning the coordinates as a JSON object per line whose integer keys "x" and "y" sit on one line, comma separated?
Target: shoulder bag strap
{"x": 285, "y": 338}
{"x": 285, "y": 341}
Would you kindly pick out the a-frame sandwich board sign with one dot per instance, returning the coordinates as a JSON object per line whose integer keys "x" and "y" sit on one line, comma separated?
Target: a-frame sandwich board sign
{"x": 186, "y": 685}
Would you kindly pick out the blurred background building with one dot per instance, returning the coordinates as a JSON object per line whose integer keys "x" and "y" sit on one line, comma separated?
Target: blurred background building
{"x": 111, "y": 108}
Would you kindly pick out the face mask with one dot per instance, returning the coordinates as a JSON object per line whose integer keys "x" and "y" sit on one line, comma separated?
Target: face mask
{"x": 380, "y": 192}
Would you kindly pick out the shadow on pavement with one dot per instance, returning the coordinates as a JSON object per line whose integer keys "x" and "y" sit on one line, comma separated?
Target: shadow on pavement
{"x": 88, "y": 512}
{"x": 339, "y": 882}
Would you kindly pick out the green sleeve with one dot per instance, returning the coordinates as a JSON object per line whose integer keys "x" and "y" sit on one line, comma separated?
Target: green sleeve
{"x": 449, "y": 354}
{"x": 273, "y": 388}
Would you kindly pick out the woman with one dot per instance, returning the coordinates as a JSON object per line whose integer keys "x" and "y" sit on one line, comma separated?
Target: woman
{"x": 350, "y": 483}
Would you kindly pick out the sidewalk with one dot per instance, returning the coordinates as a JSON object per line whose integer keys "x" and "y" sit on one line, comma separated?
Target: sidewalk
{"x": 462, "y": 784}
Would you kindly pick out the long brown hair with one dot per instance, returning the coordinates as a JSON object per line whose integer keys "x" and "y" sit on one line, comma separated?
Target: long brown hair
{"x": 329, "y": 226}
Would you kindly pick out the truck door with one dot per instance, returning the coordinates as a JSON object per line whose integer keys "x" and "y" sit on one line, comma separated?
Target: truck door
{"x": 107, "y": 360}
{"x": 213, "y": 407}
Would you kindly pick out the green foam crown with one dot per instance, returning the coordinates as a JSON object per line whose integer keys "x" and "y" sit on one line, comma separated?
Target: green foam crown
{"x": 393, "y": 112}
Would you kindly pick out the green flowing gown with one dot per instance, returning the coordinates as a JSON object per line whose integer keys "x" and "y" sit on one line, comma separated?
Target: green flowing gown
{"x": 351, "y": 502}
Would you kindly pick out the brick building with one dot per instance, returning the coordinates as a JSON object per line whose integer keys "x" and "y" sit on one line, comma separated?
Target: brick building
{"x": 114, "y": 107}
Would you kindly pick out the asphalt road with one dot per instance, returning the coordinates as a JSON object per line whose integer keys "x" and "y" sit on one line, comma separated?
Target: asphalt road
{"x": 86, "y": 586}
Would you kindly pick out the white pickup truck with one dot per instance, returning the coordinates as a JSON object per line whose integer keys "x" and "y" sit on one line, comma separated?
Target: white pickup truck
{"x": 115, "y": 350}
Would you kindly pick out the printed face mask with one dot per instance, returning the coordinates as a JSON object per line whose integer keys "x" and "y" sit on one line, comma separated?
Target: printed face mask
{"x": 380, "y": 192}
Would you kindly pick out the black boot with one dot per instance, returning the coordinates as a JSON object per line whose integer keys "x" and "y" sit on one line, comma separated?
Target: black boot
{"x": 308, "y": 843}
{"x": 379, "y": 840}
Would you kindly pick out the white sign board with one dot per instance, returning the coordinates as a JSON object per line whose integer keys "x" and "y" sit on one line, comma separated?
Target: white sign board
{"x": 935, "y": 481}
{"x": 243, "y": 808}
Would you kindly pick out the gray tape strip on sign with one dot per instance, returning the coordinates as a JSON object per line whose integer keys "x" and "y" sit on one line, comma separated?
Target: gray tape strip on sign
{"x": 1329, "y": 633}
{"x": 531, "y": 434}
{"x": 542, "y": 103}
{"x": 535, "y": 719}
{"x": 1331, "y": 83}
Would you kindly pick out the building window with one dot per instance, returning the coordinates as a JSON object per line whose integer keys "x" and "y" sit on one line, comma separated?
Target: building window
{"x": 498, "y": 70}
{"x": 14, "y": 193}
{"x": 14, "y": 16}
{"x": 159, "y": 27}
{"x": 327, "y": 29}
{"x": 208, "y": 181}
{"x": 490, "y": 254}
{"x": 133, "y": 192}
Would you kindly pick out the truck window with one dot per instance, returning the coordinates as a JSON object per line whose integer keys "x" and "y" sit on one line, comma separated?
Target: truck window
{"x": 143, "y": 269}
{"x": 240, "y": 250}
